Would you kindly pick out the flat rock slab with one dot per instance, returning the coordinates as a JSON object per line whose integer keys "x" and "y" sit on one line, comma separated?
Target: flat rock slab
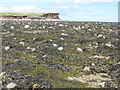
{"x": 94, "y": 80}
{"x": 35, "y": 31}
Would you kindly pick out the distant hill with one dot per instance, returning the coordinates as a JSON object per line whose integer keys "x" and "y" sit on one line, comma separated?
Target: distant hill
{"x": 21, "y": 14}
{"x": 29, "y": 15}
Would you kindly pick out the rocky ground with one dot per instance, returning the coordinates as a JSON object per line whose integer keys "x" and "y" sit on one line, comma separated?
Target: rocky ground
{"x": 59, "y": 54}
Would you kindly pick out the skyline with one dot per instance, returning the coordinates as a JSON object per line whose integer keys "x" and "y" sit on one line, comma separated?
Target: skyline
{"x": 73, "y": 10}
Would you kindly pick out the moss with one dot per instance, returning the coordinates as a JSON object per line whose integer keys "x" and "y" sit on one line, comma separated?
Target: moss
{"x": 21, "y": 54}
{"x": 45, "y": 70}
{"x": 62, "y": 83}
{"x": 69, "y": 84}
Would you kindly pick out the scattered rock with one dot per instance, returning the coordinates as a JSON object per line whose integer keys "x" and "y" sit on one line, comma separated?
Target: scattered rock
{"x": 12, "y": 27}
{"x": 11, "y": 85}
{"x": 94, "y": 80}
{"x": 96, "y": 56}
{"x": 109, "y": 44}
{"x": 79, "y": 49}
{"x": 36, "y": 86}
{"x": 62, "y": 38}
{"x": 92, "y": 64}
{"x": 28, "y": 48}
{"x": 102, "y": 84}
{"x": 51, "y": 40}
{"x": 100, "y": 35}
{"x": 26, "y": 26}
{"x": 54, "y": 45}
{"x": 76, "y": 79}
{"x": 60, "y": 48}
{"x": 64, "y": 34}
{"x": 87, "y": 69}
{"x": 44, "y": 56}
{"x": 2, "y": 74}
{"x": 7, "y": 48}
{"x": 100, "y": 67}
{"x": 61, "y": 25}
{"x": 22, "y": 43}
{"x": 45, "y": 84}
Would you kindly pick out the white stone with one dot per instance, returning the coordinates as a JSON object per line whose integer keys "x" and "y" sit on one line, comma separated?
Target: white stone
{"x": 51, "y": 40}
{"x": 50, "y": 27}
{"x": 96, "y": 56}
{"x": 79, "y": 49}
{"x": 102, "y": 84}
{"x": 100, "y": 35}
{"x": 34, "y": 38}
{"x": 102, "y": 27}
{"x": 22, "y": 43}
{"x": 111, "y": 30}
{"x": 89, "y": 30}
{"x": 35, "y": 86}
{"x": 109, "y": 44}
{"x": 71, "y": 78}
{"x": 60, "y": 48}
{"x": 73, "y": 27}
{"x": 12, "y": 34}
{"x": 76, "y": 79}
{"x": 56, "y": 23}
{"x": 28, "y": 47}
{"x": 92, "y": 64}
{"x": 61, "y": 25}
{"x": 62, "y": 38}
{"x": 8, "y": 32}
{"x": 77, "y": 29}
{"x": 44, "y": 55}
{"x": 96, "y": 43}
{"x": 104, "y": 37}
{"x": 33, "y": 49}
{"x": 54, "y": 45}
{"x": 118, "y": 63}
{"x": 7, "y": 48}
{"x": 26, "y": 26}
{"x": 95, "y": 46}
{"x": 1, "y": 74}
{"x": 11, "y": 85}
{"x": 95, "y": 34}
{"x": 43, "y": 26}
{"x": 64, "y": 34}
{"x": 12, "y": 27}
{"x": 86, "y": 69}
{"x": 82, "y": 27}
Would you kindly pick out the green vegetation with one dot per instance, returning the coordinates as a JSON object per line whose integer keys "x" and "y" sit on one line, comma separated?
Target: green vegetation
{"x": 21, "y": 14}
{"x": 38, "y": 55}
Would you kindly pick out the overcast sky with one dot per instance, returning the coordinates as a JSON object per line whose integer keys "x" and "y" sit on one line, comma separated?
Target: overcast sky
{"x": 76, "y": 10}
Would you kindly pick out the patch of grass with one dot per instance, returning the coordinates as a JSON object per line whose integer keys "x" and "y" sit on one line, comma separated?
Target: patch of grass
{"x": 21, "y": 14}
{"x": 69, "y": 84}
{"x": 45, "y": 70}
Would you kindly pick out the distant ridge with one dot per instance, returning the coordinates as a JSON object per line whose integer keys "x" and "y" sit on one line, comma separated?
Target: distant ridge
{"x": 15, "y": 15}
